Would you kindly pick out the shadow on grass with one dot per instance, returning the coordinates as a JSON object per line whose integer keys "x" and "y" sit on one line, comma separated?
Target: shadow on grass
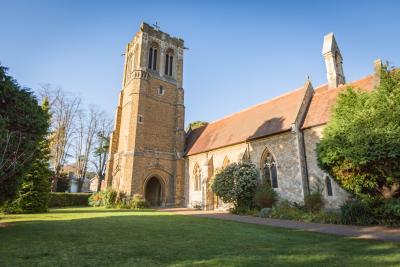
{"x": 92, "y": 210}
{"x": 148, "y": 240}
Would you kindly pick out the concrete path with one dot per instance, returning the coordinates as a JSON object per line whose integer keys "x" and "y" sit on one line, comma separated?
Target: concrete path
{"x": 362, "y": 232}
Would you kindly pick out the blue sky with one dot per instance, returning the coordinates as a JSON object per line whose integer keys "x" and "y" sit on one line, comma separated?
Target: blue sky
{"x": 240, "y": 52}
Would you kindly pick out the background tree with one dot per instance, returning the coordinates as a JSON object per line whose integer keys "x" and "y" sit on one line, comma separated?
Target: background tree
{"x": 236, "y": 184}
{"x": 102, "y": 142}
{"x": 64, "y": 109}
{"x": 33, "y": 196}
{"x": 361, "y": 143}
{"x": 196, "y": 124}
{"x": 85, "y": 133}
{"x": 23, "y": 124}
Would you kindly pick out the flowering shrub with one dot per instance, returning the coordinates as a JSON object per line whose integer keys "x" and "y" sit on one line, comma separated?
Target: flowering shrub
{"x": 236, "y": 184}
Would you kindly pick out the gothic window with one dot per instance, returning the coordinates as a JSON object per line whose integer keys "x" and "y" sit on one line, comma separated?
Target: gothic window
{"x": 169, "y": 58}
{"x": 269, "y": 170}
{"x": 153, "y": 58}
{"x": 328, "y": 186}
{"x": 197, "y": 177}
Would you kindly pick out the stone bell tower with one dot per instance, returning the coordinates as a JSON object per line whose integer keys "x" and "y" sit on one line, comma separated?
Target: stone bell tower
{"x": 147, "y": 143}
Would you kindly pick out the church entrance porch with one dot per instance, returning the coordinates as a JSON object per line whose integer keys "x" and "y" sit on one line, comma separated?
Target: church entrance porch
{"x": 153, "y": 192}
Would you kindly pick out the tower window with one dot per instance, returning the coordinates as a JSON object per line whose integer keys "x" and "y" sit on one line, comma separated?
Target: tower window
{"x": 161, "y": 90}
{"x": 169, "y": 61}
{"x": 140, "y": 118}
{"x": 152, "y": 58}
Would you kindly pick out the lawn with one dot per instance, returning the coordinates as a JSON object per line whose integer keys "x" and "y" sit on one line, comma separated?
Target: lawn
{"x": 109, "y": 237}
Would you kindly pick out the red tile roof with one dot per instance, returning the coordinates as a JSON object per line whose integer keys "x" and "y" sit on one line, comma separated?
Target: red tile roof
{"x": 323, "y": 100}
{"x": 271, "y": 117}
{"x": 268, "y": 118}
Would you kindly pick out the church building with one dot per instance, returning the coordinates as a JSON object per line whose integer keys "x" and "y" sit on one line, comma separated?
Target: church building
{"x": 152, "y": 155}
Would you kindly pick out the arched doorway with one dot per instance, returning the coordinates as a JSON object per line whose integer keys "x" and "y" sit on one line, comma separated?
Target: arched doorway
{"x": 153, "y": 192}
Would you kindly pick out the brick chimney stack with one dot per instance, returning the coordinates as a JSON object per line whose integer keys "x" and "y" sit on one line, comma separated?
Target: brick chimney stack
{"x": 333, "y": 61}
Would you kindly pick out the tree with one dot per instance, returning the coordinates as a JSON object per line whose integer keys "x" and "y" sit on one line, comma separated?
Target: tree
{"x": 64, "y": 109}
{"x": 197, "y": 124}
{"x": 23, "y": 124}
{"x": 236, "y": 184}
{"x": 361, "y": 143}
{"x": 84, "y": 139}
{"x": 102, "y": 143}
{"x": 33, "y": 197}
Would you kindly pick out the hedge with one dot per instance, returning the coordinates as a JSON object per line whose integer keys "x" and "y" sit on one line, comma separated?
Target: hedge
{"x": 68, "y": 199}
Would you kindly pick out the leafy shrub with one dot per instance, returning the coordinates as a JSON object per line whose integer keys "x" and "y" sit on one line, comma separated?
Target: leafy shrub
{"x": 288, "y": 211}
{"x": 236, "y": 184}
{"x": 393, "y": 206}
{"x": 109, "y": 197}
{"x": 390, "y": 212}
{"x": 138, "y": 202}
{"x": 63, "y": 182}
{"x": 68, "y": 199}
{"x": 123, "y": 201}
{"x": 96, "y": 200}
{"x": 265, "y": 196}
{"x": 314, "y": 202}
{"x": 264, "y": 212}
{"x": 357, "y": 212}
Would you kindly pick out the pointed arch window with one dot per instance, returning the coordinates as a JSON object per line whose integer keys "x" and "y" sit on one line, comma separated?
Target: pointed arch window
{"x": 153, "y": 58}
{"x": 197, "y": 177}
{"x": 269, "y": 170}
{"x": 169, "y": 59}
{"x": 328, "y": 186}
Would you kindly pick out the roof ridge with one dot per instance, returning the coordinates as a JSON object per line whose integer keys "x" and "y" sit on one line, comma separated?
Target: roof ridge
{"x": 256, "y": 105}
{"x": 346, "y": 84}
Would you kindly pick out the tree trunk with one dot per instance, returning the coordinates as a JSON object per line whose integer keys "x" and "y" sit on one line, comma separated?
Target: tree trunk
{"x": 80, "y": 184}
{"x": 55, "y": 180}
{"x": 100, "y": 179}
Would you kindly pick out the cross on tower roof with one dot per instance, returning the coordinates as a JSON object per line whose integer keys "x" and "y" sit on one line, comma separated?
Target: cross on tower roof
{"x": 156, "y": 26}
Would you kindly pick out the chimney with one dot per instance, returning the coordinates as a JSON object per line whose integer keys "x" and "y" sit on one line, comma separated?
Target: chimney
{"x": 377, "y": 71}
{"x": 333, "y": 61}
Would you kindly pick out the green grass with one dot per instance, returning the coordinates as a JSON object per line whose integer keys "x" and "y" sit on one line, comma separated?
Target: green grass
{"x": 109, "y": 237}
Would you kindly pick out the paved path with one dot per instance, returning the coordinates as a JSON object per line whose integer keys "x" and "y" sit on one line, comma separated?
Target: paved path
{"x": 362, "y": 232}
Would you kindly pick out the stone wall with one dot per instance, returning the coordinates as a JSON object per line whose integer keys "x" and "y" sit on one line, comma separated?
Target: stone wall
{"x": 317, "y": 176}
{"x": 282, "y": 146}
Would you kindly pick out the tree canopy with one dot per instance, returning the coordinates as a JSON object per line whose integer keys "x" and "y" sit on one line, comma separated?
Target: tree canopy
{"x": 23, "y": 125}
{"x": 360, "y": 147}
{"x": 197, "y": 124}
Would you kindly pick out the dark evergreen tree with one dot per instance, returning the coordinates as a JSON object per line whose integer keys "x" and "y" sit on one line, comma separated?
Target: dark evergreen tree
{"x": 23, "y": 125}
{"x": 33, "y": 195}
